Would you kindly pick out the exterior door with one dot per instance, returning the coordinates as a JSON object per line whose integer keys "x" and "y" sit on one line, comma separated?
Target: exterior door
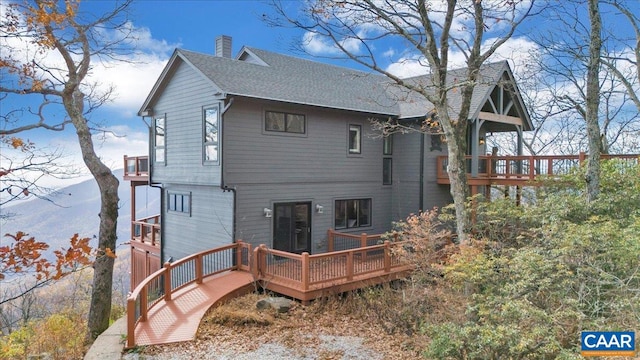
{"x": 292, "y": 227}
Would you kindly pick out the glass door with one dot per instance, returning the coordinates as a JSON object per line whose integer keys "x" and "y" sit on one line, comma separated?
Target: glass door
{"x": 292, "y": 227}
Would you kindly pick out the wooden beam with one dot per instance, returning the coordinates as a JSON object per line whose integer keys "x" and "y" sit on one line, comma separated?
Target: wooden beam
{"x": 506, "y": 119}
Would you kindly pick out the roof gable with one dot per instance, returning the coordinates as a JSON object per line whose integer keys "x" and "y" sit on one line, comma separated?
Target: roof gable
{"x": 167, "y": 73}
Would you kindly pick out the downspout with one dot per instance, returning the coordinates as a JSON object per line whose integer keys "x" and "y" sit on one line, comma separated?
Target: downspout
{"x": 151, "y": 184}
{"x": 223, "y": 185}
{"x": 422, "y": 144}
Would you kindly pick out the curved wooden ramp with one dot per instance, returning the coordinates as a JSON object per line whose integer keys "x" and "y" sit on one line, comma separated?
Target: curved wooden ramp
{"x": 178, "y": 319}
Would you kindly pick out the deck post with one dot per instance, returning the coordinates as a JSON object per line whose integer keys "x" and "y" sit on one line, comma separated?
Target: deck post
{"x": 167, "y": 281}
{"x": 239, "y": 254}
{"x": 330, "y": 239}
{"x": 199, "y": 269}
{"x": 532, "y": 168}
{"x": 387, "y": 256}
{"x": 131, "y": 323}
{"x": 350, "y": 265}
{"x": 581, "y": 157}
{"x": 255, "y": 263}
{"x": 305, "y": 271}
{"x": 144, "y": 306}
{"x": 363, "y": 244}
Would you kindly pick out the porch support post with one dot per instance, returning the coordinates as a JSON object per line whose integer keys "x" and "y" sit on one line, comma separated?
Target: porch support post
{"x": 475, "y": 143}
{"x": 476, "y": 124}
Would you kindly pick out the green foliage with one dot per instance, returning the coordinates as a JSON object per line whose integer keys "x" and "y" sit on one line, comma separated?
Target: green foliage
{"x": 540, "y": 273}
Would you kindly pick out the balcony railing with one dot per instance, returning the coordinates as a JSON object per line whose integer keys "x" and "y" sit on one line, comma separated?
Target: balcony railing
{"x": 514, "y": 170}
{"x": 146, "y": 231}
{"x": 136, "y": 167}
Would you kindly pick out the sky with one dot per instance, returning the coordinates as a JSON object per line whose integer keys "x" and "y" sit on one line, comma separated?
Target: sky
{"x": 162, "y": 26}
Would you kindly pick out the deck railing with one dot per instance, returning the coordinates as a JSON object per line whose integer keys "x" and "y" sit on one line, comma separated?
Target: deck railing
{"x": 304, "y": 271}
{"x": 173, "y": 276}
{"x": 136, "y": 166}
{"x": 337, "y": 241}
{"x": 147, "y": 230}
{"x": 525, "y": 168}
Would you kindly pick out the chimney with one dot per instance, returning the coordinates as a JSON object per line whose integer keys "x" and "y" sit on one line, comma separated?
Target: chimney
{"x": 223, "y": 46}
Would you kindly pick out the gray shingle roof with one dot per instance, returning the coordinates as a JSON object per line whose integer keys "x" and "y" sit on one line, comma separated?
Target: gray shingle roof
{"x": 294, "y": 80}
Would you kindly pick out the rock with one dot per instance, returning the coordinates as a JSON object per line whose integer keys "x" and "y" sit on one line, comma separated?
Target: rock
{"x": 280, "y": 304}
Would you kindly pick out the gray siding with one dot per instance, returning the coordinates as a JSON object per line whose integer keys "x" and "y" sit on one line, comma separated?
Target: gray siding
{"x": 209, "y": 225}
{"x": 182, "y": 103}
{"x": 435, "y": 195}
{"x": 255, "y": 228}
{"x": 406, "y": 176}
{"x": 268, "y": 168}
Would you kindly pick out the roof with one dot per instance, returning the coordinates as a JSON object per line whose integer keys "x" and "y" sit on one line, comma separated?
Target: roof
{"x": 262, "y": 74}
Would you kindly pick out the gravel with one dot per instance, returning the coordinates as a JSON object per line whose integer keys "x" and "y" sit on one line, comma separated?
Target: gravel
{"x": 342, "y": 347}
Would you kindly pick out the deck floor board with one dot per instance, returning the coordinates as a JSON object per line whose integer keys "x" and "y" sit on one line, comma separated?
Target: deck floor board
{"x": 178, "y": 319}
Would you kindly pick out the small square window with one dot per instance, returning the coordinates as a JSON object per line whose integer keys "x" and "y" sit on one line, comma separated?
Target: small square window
{"x": 355, "y": 139}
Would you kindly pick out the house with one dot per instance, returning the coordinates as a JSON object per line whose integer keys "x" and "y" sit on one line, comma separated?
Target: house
{"x": 274, "y": 149}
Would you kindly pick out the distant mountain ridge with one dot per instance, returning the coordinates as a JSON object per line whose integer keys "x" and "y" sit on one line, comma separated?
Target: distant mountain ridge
{"x": 77, "y": 211}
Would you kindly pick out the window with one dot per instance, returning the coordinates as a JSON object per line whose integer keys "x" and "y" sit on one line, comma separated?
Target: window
{"x": 387, "y": 145}
{"x": 352, "y": 213}
{"x": 387, "y": 162}
{"x": 210, "y": 141}
{"x": 159, "y": 140}
{"x": 179, "y": 202}
{"x": 387, "y": 167}
{"x": 354, "y": 139}
{"x": 284, "y": 122}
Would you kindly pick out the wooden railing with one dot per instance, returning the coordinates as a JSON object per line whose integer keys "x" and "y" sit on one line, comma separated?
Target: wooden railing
{"x": 304, "y": 271}
{"x": 146, "y": 230}
{"x": 136, "y": 167}
{"x": 173, "y": 276}
{"x": 524, "y": 168}
{"x": 337, "y": 241}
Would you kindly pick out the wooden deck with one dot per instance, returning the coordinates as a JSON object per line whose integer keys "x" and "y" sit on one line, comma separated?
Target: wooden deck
{"x": 168, "y": 305}
{"x": 522, "y": 170}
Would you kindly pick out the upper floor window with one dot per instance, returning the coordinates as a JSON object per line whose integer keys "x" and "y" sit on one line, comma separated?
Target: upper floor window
{"x": 210, "y": 140}
{"x": 355, "y": 139}
{"x": 352, "y": 213}
{"x": 387, "y": 145}
{"x": 159, "y": 144}
{"x": 179, "y": 202}
{"x": 285, "y": 122}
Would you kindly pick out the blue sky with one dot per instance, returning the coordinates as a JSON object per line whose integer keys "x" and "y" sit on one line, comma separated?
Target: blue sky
{"x": 164, "y": 25}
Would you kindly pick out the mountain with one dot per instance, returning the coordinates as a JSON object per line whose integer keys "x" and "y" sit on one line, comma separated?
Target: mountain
{"x": 75, "y": 210}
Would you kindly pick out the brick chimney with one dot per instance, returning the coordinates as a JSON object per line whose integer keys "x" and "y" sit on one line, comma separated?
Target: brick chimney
{"x": 223, "y": 46}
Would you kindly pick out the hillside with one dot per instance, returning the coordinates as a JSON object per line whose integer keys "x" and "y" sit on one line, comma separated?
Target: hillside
{"x": 75, "y": 210}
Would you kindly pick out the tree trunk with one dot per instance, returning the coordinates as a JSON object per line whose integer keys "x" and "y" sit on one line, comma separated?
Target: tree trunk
{"x": 100, "y": 305}
{"x": 592, "y": 176}
{"x": 455, "y": 133}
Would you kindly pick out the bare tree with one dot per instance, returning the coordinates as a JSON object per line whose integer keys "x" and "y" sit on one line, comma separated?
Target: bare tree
{"x": 431, "y": 30}
{"x": 592, "y": 176}
{"x": 625, "y": 64}
{"x": 61, "y": 29}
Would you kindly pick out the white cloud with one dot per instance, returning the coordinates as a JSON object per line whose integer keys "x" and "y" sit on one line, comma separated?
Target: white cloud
{"x": 315, "y": 44}
{"x": 518, "y": 51}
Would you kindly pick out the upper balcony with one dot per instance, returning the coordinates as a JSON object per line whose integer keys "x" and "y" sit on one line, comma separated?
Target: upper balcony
{"x": 520, "y": 170}
{"x": 136, "y": 168}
